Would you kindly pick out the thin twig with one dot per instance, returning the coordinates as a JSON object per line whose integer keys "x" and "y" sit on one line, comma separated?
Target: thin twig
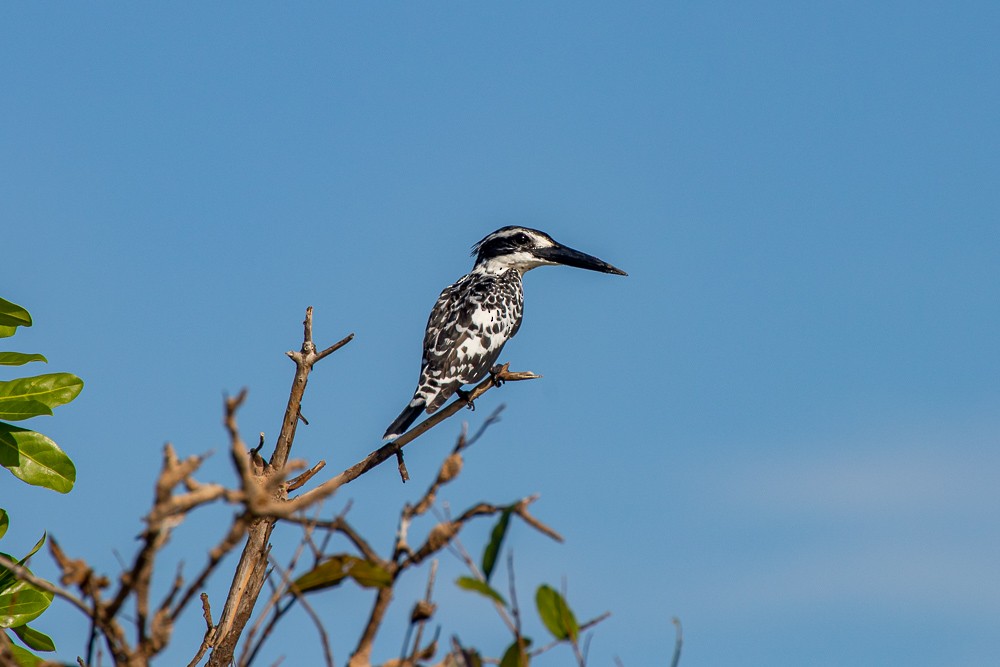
{"x": 297, "y": 482}
{"x": 209, "y": 631}
{"x": 583, "y": 626}
{"x": 678, "y": 641}
{"x": 236, "y": 530}
{"x": 324, "y": 638}
{"x": 423, "y": 612}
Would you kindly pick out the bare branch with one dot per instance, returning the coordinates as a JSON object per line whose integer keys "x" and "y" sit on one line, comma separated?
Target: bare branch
{"x": 324, "y": 638}
{"x": 380, "y": 455}
{"x": 209, "y": 631}
{"x": 262, "y": 485}
{"x": 363, "y": 653}
{"x": 215, "y": 556}
{"x": 422, "y": 612}
{"x": 299, "y": 481}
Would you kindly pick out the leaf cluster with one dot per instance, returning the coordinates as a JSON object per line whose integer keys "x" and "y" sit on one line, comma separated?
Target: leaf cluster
{"x": 553, "y": 610}
{"x": 35, "y": 459}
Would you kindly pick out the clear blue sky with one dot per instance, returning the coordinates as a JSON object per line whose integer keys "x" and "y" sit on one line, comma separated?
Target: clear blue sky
{"x": 782, "y": 427}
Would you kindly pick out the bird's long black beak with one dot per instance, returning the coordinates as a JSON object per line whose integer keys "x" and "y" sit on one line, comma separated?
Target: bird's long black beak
{"x": 560, "y": 254}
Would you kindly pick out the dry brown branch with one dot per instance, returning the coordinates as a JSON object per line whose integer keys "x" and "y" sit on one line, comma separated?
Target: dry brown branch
{"x": 262, "y": 494}
{"x": 209, "y": 631}
{"x": 443, "y": 533}
{"x": 251, "y": 648}
{"x": 388, "y": 450}
{"x": 250, "y": 572}
{"x": 422, "y": 612}
{"x": 340, "y": 525}
{"x": 152, "y": 628}
{"x": 215, "y": 556}
{"x": 363, "y": 653}
{"x": 324, "y": 638}
{"x": 299, "y": 481}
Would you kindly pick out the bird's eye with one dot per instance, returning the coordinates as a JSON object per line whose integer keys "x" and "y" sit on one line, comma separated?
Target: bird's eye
{"x": 521, "y": 238}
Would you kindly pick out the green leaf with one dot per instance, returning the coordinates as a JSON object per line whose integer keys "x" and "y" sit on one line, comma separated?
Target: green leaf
{"x": 335, "y": 569}
{"x": 19, "y": 358}
{"x": 51, "y": 389}
{"x": 4, "y": 522}
{"x": 23, "y": 657}
{"x": 6, "y": 576}
{"x": 13, "y": 315}
{"x": 516, "y": 654}
{"x": 34, "y": 549}
{"x": 496, "y": 539}
{"x": 33, "y": 638}
{"x": 35, "y": 459}
{"x": 22, "y": 603}
{"x": 481, "y": 587}
{"x": 556, "y": 614}
{"x": 7, "y": 332}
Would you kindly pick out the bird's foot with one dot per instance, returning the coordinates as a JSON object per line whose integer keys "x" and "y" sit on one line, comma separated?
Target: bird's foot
{"x": 467, "y": 397}
{"x": 495, "y": 372}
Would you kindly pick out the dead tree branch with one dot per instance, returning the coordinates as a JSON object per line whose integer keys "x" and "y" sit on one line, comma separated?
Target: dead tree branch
{"x": 250, "y": 572}
{"x": 387, "y": 451}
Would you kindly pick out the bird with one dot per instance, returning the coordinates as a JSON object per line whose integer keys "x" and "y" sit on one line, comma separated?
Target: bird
{"x": 474, "y": 318}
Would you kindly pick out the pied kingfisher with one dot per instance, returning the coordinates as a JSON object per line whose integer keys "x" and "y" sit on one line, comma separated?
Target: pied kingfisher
{"x": 475, "y": 317}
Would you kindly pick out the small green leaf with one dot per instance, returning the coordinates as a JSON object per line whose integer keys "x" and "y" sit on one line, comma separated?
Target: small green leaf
{"x": 7, "y": 332}
{"x": 516, "y": 654}
{"x": 51, "y": 389}
{"x": 33, "y": 638}
{"x": 335, "y": 569}
{"x": 22, "y": 603}
{"x": 23, "y": 657}
{"x": 496, "y": 539}
{"x": 4, "y": 522}
{"x": 6, "y": 576}
{"x": 34, "y": 549}
{"x": 556, "y": 614}
{"x": 481, "y": 587}
{"x": 13, "y": 315}
{"x": 35, "y": 459}
{"x": 19, "y": 358}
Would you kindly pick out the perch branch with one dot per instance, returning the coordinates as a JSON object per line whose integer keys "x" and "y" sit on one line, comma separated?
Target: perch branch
{"x": 388, "y": 450}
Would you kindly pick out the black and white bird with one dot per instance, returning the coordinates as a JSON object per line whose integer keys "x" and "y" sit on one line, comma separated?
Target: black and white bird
{"x": 475, "y": 317}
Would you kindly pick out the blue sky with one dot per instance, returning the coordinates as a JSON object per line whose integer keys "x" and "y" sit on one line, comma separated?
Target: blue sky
{"x": 782, "y": 427}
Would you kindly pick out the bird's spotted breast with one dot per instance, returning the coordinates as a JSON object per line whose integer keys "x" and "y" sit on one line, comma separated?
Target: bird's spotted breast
{"x": 467, "y": 330}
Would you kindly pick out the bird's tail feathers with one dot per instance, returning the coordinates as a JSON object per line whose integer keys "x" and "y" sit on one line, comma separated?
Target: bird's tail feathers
{"x": 405, "y": 419}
